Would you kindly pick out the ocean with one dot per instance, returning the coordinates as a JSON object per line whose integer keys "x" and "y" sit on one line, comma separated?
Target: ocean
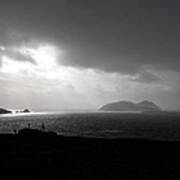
{"x": 165, "y": 126}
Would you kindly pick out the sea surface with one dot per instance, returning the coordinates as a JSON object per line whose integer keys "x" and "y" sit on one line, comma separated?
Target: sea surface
{"x": 165, "y": 126}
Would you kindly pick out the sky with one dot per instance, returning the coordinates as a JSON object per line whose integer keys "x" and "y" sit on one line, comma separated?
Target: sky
{"x": 81, "y": 54}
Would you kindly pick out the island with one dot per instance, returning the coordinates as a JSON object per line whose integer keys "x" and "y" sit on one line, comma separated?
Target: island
{"x": 128, "y": 106}
{"x": 4, "y": 111}
{"x": 23, "y": 111}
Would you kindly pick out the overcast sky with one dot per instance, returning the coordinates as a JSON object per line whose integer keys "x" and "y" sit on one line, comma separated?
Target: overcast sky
{"x": 66, "y": 54}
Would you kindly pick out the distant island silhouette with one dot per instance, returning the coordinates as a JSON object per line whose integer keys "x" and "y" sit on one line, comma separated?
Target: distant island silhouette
{"x": 5, "y": 111}
{"x": 130, "y": 106}
{"x": 23, "y": 111}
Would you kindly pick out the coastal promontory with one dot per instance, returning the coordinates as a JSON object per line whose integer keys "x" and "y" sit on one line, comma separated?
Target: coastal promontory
{"x": 4, "y": 111}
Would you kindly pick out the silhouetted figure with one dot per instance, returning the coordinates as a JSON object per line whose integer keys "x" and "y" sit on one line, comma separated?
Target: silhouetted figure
{"x": 15, "y": 131}
{"x": 43, "y": 128}
{"x": 29, "y": 126}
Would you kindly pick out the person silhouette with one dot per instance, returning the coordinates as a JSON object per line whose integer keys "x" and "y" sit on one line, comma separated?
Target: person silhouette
{"x": 29, "y": 126}
{"x": 43, "y": 127}
{"x": 15, "y": 131}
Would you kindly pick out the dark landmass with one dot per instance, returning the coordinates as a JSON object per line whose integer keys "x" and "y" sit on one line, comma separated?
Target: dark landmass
{"x": 28, "y": 132}
{"x": 33, "y": 154}
{"x": 23, "y": 111}
{"x": 26, "y": 111}
{"x": 4, "y": 111}
{"x": 130, "y": 106}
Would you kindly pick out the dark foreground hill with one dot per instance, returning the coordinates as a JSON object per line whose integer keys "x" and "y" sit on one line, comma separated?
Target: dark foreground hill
{"x": 130, "y": 106}
{"x": 54, "y": 157}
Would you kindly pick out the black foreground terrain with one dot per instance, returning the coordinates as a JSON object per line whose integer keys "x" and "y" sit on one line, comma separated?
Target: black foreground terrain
{"x": 56, "y": 157}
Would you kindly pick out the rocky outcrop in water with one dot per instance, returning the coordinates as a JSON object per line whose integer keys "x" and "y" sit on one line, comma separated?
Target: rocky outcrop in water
{"x": 23, "y": 111}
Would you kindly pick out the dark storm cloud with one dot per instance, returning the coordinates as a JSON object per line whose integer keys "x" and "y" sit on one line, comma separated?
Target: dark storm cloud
{"x": 122, "y": 36}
